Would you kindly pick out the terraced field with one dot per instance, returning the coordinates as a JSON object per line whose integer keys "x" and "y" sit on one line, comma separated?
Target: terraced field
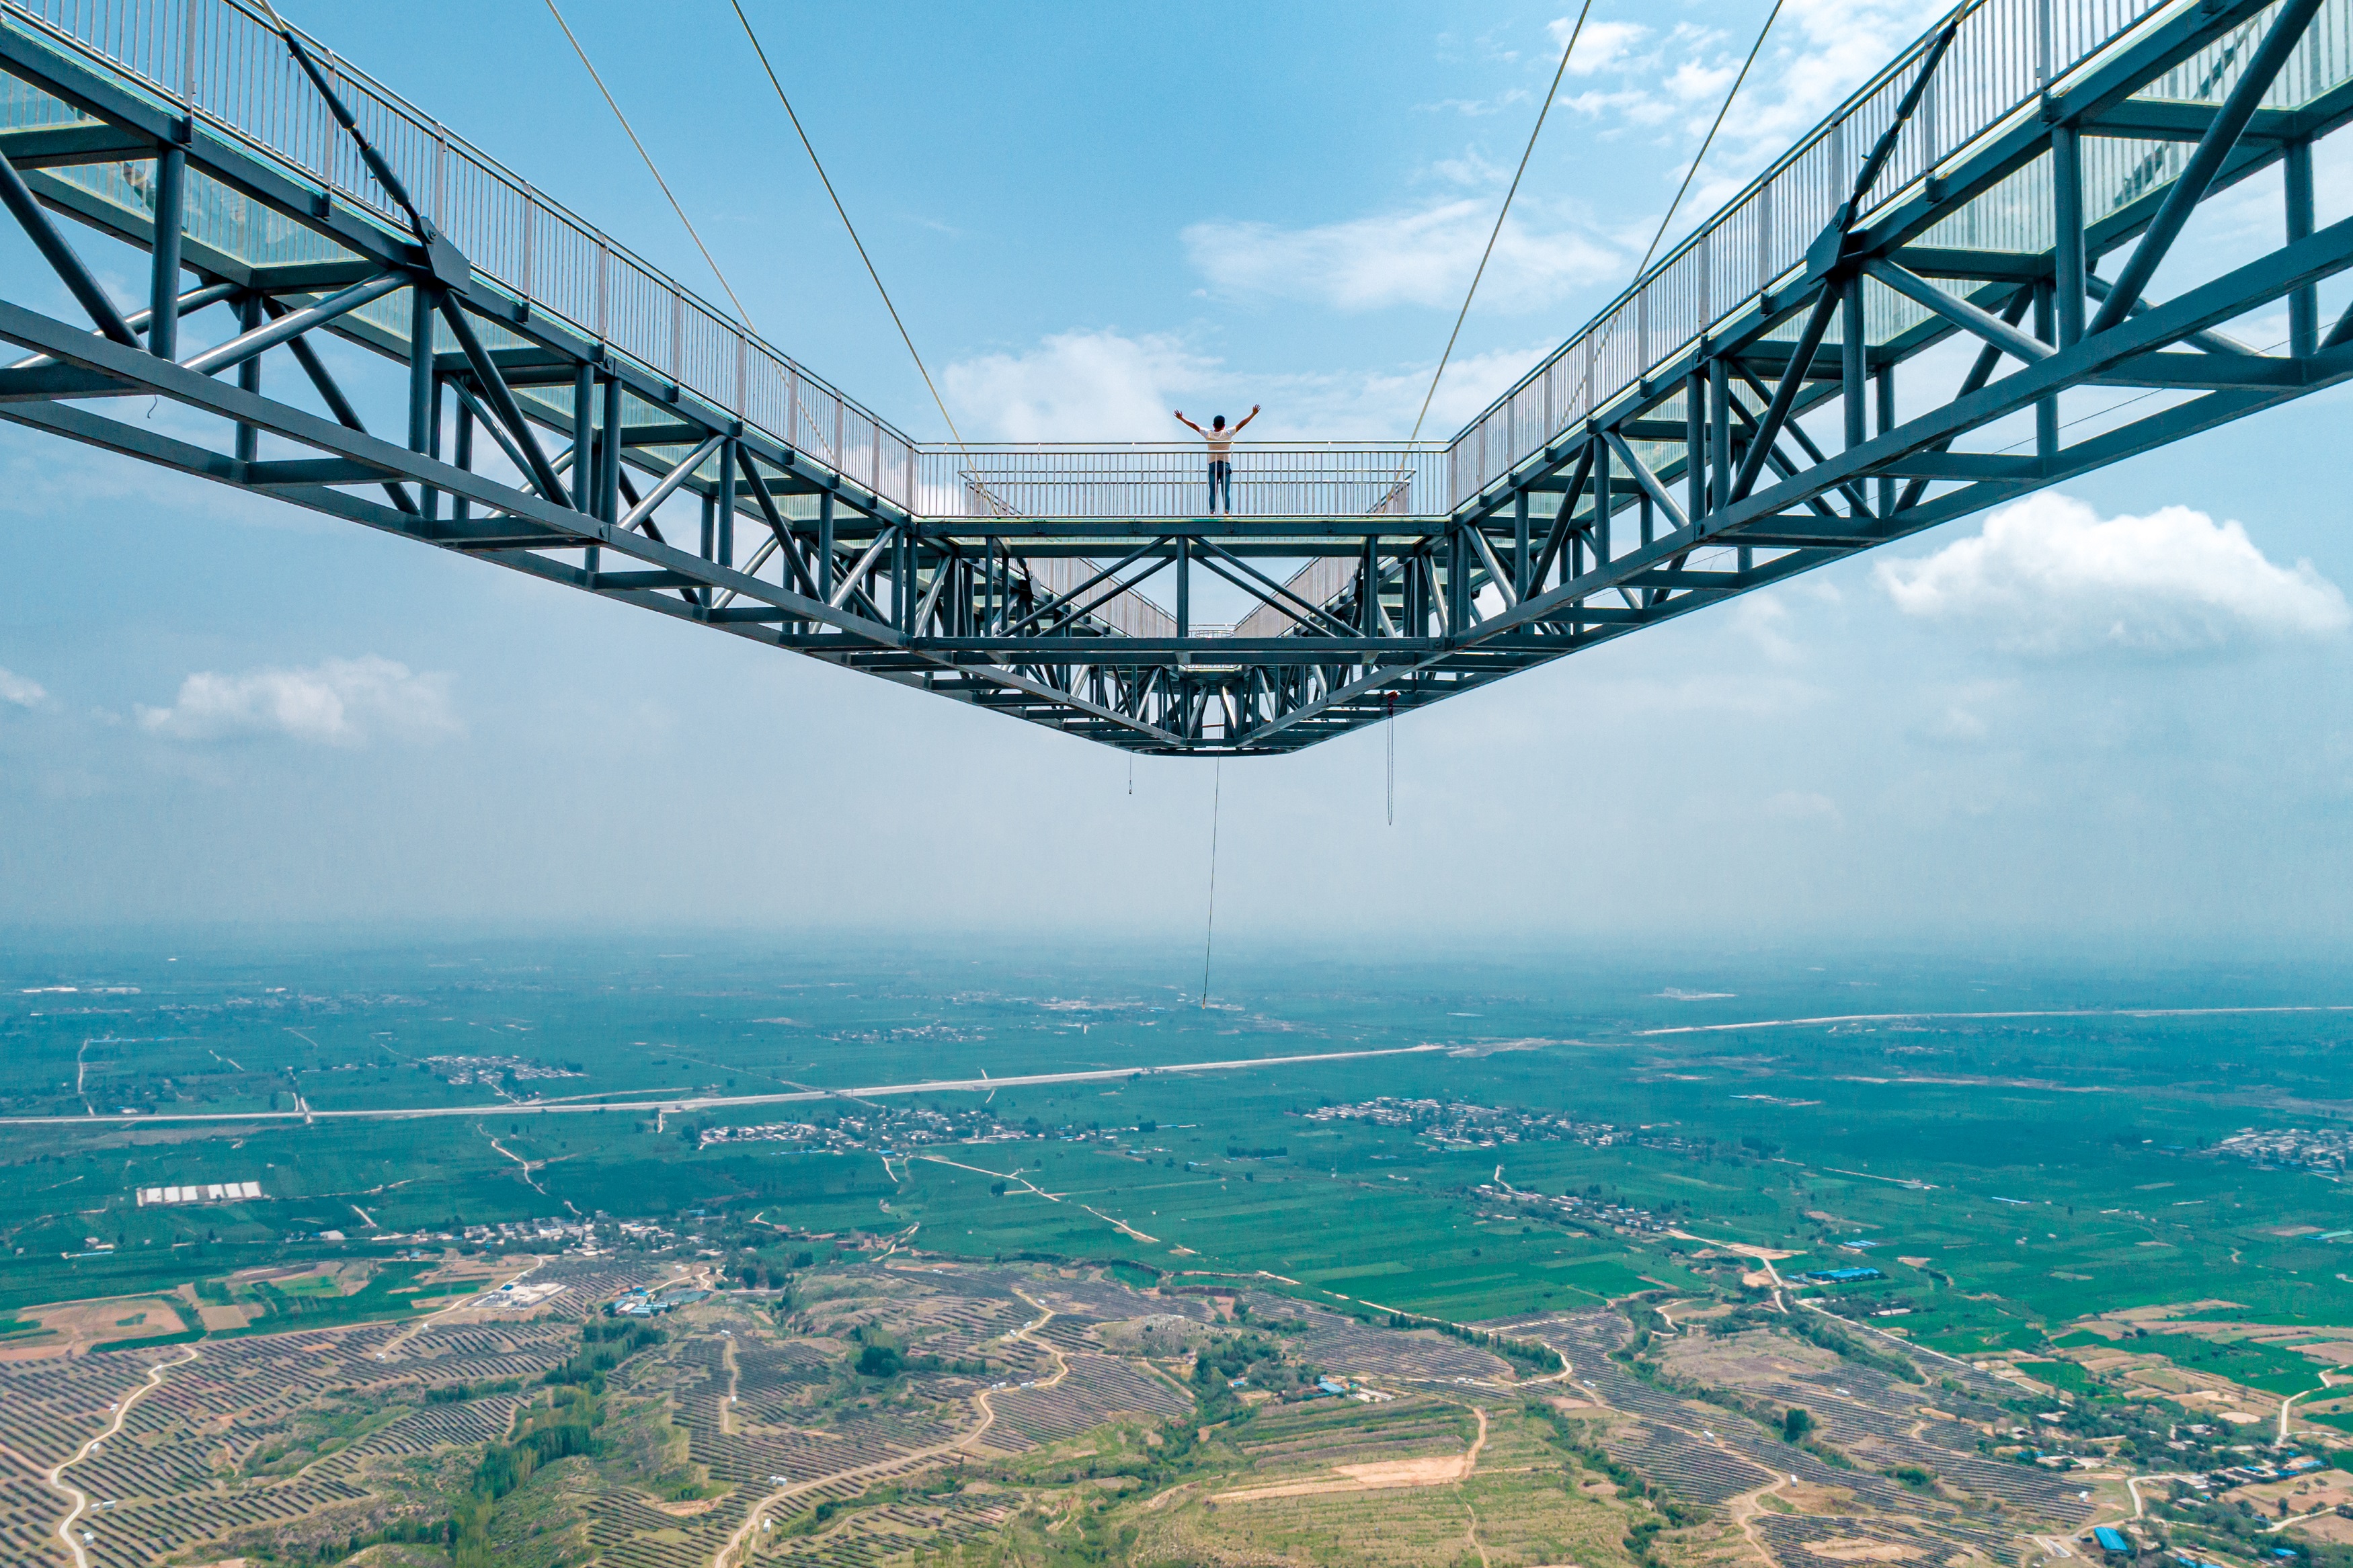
{"x": 1708, "y": 1455}
{"x": 1022, "y": 1402}
{"x": 290, "y": 1438}
{"x": 1427, "y": 1479}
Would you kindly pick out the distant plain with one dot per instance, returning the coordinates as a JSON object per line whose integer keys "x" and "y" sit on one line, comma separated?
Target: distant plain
{"x": 1901, "y": 1132}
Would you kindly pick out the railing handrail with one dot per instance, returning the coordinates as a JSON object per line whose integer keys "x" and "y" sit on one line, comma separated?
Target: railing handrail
{"x": 174, "y": 23}
{"x": 1700, "y": 232}
{"x": 222, "y": 53}
{"x": 1181, "y": 443}
{"x": 2050, "y": 69}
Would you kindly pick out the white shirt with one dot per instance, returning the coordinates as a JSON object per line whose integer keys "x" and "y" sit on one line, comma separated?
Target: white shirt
{"x": 1221, "y": 444}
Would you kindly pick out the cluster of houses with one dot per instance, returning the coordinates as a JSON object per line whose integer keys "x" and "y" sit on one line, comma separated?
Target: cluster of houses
{"x": 1462, "y": 1125}
{"x": 2324, "y": 1149}
{"x": 643, "y": 1301}
{"x": 1473, "y": 1126}
{"x": 494, "y": 1072}
{"x": 1618, "y": 1214}
{"x": 569, "y": 1232}
{"x": 887, "y": 1131}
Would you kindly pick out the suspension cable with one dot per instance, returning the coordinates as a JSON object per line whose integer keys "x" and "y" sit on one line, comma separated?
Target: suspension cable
{"x": 843, "y": 214}
{"x": 1389, "y": 729}
{"x": 1217, "y": 789}
{"x": 741, "y": 314}
{"x": 1504, "y": 211}
{"x": 1709, "y": 139}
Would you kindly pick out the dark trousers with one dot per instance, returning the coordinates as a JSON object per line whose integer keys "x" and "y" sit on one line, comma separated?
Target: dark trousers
{"x": 1221, "y": 477}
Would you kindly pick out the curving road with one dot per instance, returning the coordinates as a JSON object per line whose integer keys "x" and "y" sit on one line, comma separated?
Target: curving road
{"x": 735, "y": 1551}
{"x": 56, "y": 1476}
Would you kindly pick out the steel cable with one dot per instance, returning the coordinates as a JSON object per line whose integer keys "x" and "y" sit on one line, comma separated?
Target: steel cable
{"x": 741, "y": 314}
{"x": 1389, "y": 729}
{"x": 1709, "y": 139}
{"x": 843, "y": 213}
{"x": 1208, "y": 938}
{"x": 1502, "y": 213}
{"x": 1699, "y": 157}
{"x": 977, "y": 483}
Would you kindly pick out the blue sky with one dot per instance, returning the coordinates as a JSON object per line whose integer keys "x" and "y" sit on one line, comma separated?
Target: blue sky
{"x": 2094, "y": 719}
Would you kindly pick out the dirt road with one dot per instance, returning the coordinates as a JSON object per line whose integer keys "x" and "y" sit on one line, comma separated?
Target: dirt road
{"x": 737, "y": 1553}
{"x": 56, "y": 1476}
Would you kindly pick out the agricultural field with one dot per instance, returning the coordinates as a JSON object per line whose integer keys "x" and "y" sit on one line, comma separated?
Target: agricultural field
{"x": 894, "y": 1404}
{"x": 2112, "y": 1201}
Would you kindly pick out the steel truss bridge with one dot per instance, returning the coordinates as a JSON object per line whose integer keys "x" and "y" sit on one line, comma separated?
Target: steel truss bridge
{"x": 1733, "y": 419}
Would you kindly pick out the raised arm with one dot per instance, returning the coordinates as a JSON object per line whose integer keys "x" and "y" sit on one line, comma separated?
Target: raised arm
{"x": 1189, "y": 424}
{"x": 1244, "y": 420}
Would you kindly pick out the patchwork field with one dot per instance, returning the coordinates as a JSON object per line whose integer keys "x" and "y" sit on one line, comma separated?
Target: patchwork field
{"x": 975, "y": 1320}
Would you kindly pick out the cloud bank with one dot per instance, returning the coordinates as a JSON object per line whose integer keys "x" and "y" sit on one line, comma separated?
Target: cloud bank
{"x": 1412, "y": 257}
{"x": 339, "y": 702}
{"x": 2049, "y": 575}
{"x": 1080, "y": 385}
{"x": 20, "y": 691}
{"x": 1105, "y": 386}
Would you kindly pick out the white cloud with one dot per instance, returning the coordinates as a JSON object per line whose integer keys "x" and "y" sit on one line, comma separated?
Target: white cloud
{"x": 20, "y": 690}
{"x": 1822, "y": 50}
{"x": 1475, "y": 108}
{"x": 1423, "y": 258}
{"x": 1666, "y": 84}
{"x": 1804, "y": 807}
{"x": 339, "y": 702}
{"x": 1080, "y": 386}
{"x": 1381, "y": 404}
{"x": 2049, "y": 575}
{"x": 1470, "y": 169}
{"x": 1599, "y": 46}
{"x": 1764, "y": 620}
{"x": 1104, "y": 386}
{"x": 1670, "y": 87}
{"x": 1957, "y": 723}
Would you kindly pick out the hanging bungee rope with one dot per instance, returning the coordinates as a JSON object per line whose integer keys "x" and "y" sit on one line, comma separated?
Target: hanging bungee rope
{"x": 1217, "y": 783}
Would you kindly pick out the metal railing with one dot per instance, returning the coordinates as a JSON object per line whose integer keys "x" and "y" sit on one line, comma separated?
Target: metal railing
{"x": 222, "y": 62}
{"x": 1170, "y": 478}
{"x": 2004, "y": 53}
{"x": 1321, "y": 583}
{"x": 1132, "y": 613}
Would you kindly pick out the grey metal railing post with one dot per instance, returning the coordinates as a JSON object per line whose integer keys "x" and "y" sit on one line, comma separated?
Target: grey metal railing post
{"x": 1519, "y": 546}
{"x": 585, "y": 478}
{"x": 1695, "y": 438}
{"x": 2046, "y": 410}
{"x": 825, "y": 546}
{"x": 461, "y": 453}
{"x": 1719, "y": 435}
{"x": 609, "y": 455}
{"x": 1852, "y": 358}
{"x": 726, "y": 500}
{"x": 420, "y": 364}
{"x": 249, "y": 379}
{"x": 1883, "y": 382}
{"x": 1183, "y": 585}
{"x": 2304, "y": 303}
{"x": 2067, "y": 216}
{"x": 1603, "y": 502}
{"x": 163, "y": 288}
